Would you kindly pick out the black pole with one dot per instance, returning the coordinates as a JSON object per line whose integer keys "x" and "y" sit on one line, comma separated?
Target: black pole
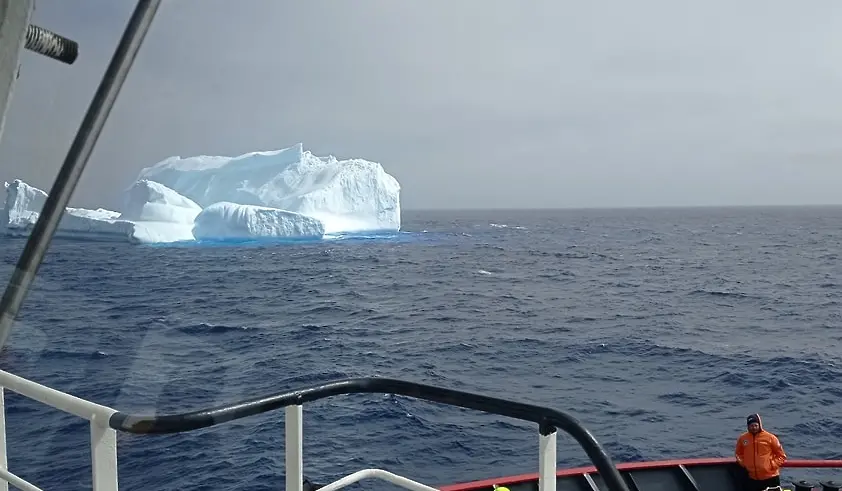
{"x": 77, "y": 157}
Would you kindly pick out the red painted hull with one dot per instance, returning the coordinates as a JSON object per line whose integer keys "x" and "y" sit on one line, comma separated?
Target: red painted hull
{"x": 529, "y": 481}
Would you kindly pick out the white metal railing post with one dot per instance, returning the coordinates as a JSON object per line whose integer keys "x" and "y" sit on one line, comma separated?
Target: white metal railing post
{"x": 547, "y": 460}
{"x": 377, "y": 474}
{"x": 103, "y": 457}
{"x": 293, "y": 423}
{"x": 4, "y": 462}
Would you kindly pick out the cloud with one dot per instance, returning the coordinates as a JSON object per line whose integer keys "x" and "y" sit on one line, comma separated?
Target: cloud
{"x": 470, "y": 103}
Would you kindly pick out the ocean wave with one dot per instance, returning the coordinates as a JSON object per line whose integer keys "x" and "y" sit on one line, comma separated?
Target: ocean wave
{"x": 637, "y": 324}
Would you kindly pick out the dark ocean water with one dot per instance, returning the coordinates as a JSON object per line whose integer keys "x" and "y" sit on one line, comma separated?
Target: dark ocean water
{"x": 660, "y": 329}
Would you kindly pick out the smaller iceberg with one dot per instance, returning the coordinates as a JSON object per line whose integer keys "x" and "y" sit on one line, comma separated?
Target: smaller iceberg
{"x": 149, "y": 201}
{"x": 24, "y": 204}
{"x": 159, "y": 214}
{"x": 226, "y": 220}
{"x": 154, "y": 214}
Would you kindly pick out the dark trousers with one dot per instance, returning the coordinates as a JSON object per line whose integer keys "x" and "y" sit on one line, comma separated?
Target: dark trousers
{"x": 753, "y": 485}
{"x": 748, "y": 484}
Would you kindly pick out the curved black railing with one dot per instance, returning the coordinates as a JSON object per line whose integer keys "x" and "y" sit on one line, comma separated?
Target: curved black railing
{"x": 547, "y": 419}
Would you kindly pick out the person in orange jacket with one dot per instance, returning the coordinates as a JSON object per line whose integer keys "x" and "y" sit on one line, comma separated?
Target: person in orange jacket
{"x": 760, "y": 453}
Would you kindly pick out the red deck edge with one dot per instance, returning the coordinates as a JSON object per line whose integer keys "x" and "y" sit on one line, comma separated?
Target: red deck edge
{"x": 628, "y": 466}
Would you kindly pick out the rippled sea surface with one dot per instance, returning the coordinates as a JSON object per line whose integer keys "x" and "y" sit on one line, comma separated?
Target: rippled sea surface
{"x": 660, "y": 329}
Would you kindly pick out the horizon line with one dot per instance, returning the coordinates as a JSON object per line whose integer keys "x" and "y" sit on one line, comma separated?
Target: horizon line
{"x": 628, "y": 207}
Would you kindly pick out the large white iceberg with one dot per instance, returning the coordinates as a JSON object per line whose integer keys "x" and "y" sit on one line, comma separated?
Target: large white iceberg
{"x": 346, "y": 195}
{"x": 287, "y": 193}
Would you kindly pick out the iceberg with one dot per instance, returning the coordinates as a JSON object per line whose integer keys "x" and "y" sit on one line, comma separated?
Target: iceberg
{"x": 225, "y": 220}
{"x": 288, "y": 193}
{"x": 146, "y": 203}
{"x": 24, "y": 203}
{"x": 348, "y": 196}
{"x": 150, "y": 201}
{"x": 159, "y": 214}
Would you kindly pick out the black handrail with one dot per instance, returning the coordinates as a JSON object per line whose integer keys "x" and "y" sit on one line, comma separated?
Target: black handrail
{"x": 548, "y": 419}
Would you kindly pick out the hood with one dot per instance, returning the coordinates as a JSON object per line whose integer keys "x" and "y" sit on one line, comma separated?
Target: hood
{"x": 754, "y": 418}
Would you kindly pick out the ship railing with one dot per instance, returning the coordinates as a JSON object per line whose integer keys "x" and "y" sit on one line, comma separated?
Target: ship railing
{"x": 105, "y": 422}
{"x": 103, "y": 437}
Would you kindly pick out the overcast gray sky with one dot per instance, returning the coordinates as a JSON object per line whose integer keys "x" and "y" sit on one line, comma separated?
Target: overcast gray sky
{"x": 469, "y": 103}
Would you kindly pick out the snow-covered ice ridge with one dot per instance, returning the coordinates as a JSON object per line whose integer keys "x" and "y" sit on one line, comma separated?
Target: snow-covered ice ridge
{"x": 287, "y": 193}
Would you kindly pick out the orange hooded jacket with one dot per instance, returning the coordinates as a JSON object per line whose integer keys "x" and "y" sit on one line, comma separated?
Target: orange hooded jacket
{"x": 760, "y": 454}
